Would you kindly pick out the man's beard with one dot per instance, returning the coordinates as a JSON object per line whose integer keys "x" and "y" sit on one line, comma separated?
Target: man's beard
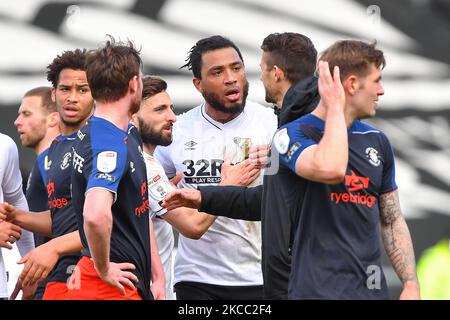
{"x": 135, "y": 104}
{"x": 72, "y": 124}
{"x": 149, "y": 136}
{"x": 214, "y": 101}
{"x": 269, "y": 98}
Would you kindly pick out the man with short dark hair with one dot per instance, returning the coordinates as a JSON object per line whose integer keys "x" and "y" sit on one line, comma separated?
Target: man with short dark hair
{"x": 226, "y": 262}
{"x": 287, "y": 66}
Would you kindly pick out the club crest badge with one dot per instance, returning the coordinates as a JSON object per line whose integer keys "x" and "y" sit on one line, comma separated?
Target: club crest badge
{"x": 372, "y": 155}
{"x": 66, "y": 161}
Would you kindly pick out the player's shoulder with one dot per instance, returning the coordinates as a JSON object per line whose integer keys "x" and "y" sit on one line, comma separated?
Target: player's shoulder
{"x": 7, "y": 141}
{"x": 8, "y": 145}
{"x": 189, "y": 115}
{"x": 253, "y": 107}
{"x": 306, "y": 120}
{"x": 361, "y": 127}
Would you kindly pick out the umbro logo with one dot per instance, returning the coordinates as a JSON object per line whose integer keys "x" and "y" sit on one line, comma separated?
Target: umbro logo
{"x": 190, "y": 145}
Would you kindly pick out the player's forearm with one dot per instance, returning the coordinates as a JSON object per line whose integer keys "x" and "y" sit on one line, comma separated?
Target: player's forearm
{"x": 68, "y": 243}
{"x": 97, "y": 227}
{"x": 189, "y": 222}
{"x": 396, "y": 237}
{"x": 398, "y": 245}
{"x": 37, "y": 222}
{"x": 331, "y": 154}
{"x": 196, "y": 223}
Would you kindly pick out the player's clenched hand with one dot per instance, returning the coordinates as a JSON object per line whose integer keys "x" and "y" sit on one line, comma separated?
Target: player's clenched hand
{"x": 118, "y": 277}
{"x": 189, "y": 198}
{"x": 241, "y": 174}
{"x": 9, "y": 233}
{"x": 38, "y": 263}
{"x": 7, "y": 212}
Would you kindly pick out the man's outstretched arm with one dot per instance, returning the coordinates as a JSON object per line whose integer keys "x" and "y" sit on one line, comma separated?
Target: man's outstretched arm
{"x": 398, "y": 244}
{"x": 228, "y": 201}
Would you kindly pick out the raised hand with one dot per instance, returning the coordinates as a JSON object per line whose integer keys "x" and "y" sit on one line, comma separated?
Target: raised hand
{"x": 330, "y": 87}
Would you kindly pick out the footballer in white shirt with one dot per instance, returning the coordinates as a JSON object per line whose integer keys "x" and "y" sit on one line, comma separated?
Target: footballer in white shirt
{"x": 154, "y": 121}
{"x": 225, "y": 263}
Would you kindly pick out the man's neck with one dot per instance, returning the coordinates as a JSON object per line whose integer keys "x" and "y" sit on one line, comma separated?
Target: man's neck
{"x": 284, "y": 87}
{"x": 46, "y": 142}
{"x": 149, "y": 148}
{"x": 116, "y": 112}
{"x": 68, "y": 130}
{"x": 220, "y": 116}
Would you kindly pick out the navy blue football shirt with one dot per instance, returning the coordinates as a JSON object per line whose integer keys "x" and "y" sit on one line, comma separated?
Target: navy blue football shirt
{"x": 36, "y": 192}
{"x": 110, "y": 158}
{"x": 59, "y": 165}
{"x": 336, "y": 251}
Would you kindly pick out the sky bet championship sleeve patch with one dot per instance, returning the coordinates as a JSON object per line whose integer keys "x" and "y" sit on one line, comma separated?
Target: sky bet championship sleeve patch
{"x": 158, "y": 188}
{"x": 281, "y": 141}
{"x": 106, "y": 161}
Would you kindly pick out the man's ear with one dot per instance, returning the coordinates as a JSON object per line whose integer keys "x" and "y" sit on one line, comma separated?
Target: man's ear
{"x": 198, "y": 84}
{"x": 53, "y": 95}
{"x": 53, "y": 119}
{"x": 278, "y": 73}
{"x": 133, "y": 84}
{"x": 135, "y": 121}
{"x": 351, "y": 84}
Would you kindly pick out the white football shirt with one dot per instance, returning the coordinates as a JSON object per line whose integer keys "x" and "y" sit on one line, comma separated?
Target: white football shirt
{"x": 229, "y": 253}
{"x": 11, "y": 192}
{"x": 158, "y": 187}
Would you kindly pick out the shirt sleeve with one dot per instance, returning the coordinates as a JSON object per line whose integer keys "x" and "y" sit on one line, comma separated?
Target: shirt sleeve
{"x": 12, "y": 188}
{"x": 232, "y": 201}
{"x": 108, "y": 165}
{"x": 12, "y": 178}
{"x": 388, "y": 183}
{"x": 36, "y": 193}
{"x": 158, "y": 188}
{"x": 290, "y": 141}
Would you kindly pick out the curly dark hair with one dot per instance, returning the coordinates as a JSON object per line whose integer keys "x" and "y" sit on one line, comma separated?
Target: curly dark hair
{"x": 292, "y": 52}
{"x": 67, "y": 60}
{"x": 194, "y": 59}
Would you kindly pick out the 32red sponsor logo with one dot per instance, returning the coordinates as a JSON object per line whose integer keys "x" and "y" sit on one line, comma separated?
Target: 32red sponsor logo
{"x": 354, "y": 183}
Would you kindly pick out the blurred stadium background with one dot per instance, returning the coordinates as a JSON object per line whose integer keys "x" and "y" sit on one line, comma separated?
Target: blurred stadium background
{"x": 415, "y": 111}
